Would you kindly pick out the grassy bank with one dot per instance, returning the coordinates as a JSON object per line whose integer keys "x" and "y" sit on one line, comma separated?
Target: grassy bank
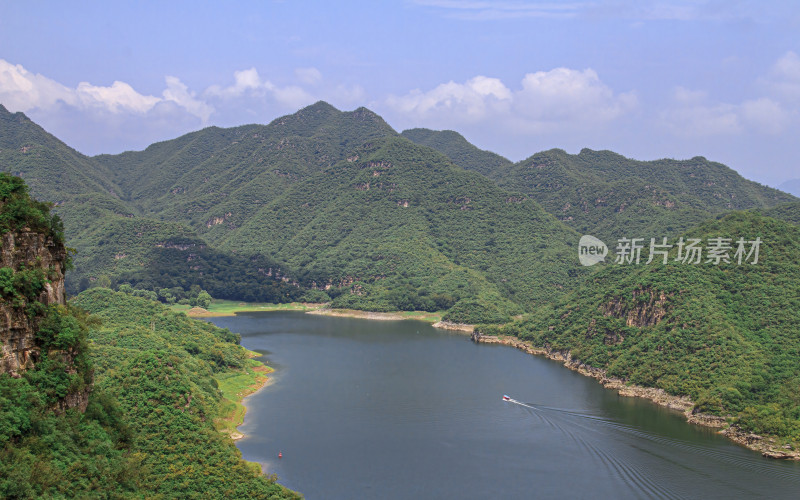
{"x": 221, "y": 307}
{"x": 236, "y": 385}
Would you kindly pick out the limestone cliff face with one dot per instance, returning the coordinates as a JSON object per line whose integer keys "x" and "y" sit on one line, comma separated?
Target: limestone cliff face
{"x": 17, "y": 330}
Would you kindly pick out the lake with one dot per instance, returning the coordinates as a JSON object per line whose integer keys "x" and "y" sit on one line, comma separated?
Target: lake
{"x": 398, "y": 409}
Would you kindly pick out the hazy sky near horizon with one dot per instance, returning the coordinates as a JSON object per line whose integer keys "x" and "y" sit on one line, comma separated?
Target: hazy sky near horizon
{"x": 674, "y": 79}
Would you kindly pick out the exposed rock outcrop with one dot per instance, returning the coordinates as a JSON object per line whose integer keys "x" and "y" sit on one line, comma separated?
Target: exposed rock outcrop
{"x": 31, "y": 250}
{"x": 17, "y": 329}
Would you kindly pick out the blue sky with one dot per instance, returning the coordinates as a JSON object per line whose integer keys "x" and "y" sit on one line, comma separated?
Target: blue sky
{"x": 676, "y": 79}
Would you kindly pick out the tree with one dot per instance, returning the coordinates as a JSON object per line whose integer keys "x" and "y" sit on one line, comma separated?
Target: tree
{"x": 203, "y": 299}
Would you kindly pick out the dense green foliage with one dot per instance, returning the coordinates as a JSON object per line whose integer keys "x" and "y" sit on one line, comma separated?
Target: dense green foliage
{"x": 160, "y": 366}
{"x": 149, "y": 428}
{"x": 459, "y": 150}
{"x": 53, "y": 454}
{"x": 401, "y": 227}
{"x": 323, "y": 199}
{"x": 609, "y": 196}
{"x": 115, "y": 243}
{"x": 789, "y": 212}
{"x": 18, "y": 210}
{"x": 726, "y": 335}
{"x": 63, "y": 456}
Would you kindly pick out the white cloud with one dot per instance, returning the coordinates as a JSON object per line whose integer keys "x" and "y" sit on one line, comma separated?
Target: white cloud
{"x": 21, "y": 90}
{"x": 692, "y": 113}
{"x": 118, "y": 97}
{"x": 567, "y": 95}
{"x": 765, "y": 115}
{"x": 697, "y": 119}
{"x": 310, "y": 76}
{"x": 695, "y": 116}
{"x": 471, "y": 101}
{"x": 783, "y": 79}
{"x": 546, "y": 100}
{"x": 245, "y": 81}
{"x": 179, "y": 93}
{"x": 249, "y": 84}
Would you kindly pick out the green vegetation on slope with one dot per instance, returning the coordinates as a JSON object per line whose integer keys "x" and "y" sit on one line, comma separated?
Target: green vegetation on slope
{"x": 161, "y": 367}
{"x": 114, "y": 242}
{"x": 459, "y": 150}
{"x": 18, "y": 211}
{"x": 725, "y": 335}
{"x": 398, "y": 226}
{"x": 788, "y": 212}
{"x": 216, "y": 179}
{"x": 609, "y": 196}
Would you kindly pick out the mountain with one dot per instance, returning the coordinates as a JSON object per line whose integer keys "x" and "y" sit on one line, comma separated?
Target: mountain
{"x": 459, "y": 150}
{"x": 115, "y": 242}
{"x": 724, "y": 335}
{"x": 340, "y": 201}
{"x": 216, "y": 179}
{"x": 610, "y": 196}
{"x": 788, "y": 212}
{"x": 397, "y": 224}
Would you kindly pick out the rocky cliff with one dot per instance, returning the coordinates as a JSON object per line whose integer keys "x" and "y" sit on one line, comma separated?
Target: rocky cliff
{"x": 38, "y": 332}
{"x": 28, "y": 250}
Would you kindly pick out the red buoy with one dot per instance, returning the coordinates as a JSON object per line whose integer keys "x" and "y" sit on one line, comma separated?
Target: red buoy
{"x": 280, "y": 454}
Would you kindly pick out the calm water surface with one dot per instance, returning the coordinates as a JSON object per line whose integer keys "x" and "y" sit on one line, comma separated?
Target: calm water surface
{"x": 397, "y": 409}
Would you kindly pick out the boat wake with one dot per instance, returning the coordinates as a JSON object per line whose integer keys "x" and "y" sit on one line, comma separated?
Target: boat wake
{"x": 649, "y": 461}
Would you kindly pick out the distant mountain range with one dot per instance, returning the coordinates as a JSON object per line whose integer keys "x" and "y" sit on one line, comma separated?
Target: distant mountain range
{"x": 331, "y": 205}
{"x": 340, "y": 202}
{"x": 607, "y": 195}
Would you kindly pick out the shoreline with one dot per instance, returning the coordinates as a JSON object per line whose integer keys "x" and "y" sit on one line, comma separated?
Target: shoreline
{"x": 228, "y": 308}
{"x": 456, "y": 327}
{"x": 235, "y": 391}
{"x": 766, "y": 445}
{"x": 378, "y": 316}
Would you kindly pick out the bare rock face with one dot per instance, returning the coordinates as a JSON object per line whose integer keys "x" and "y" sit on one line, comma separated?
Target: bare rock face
{"x": 649, "y": 308}
{"x": 29, "y": 249}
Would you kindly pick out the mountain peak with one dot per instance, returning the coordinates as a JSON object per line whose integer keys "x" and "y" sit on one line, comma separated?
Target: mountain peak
{"x": 319, "y": 107}
{"x": 458, "y": 149}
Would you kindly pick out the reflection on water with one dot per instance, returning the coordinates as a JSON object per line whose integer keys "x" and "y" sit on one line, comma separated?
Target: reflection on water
{"x": 374, "y": 409}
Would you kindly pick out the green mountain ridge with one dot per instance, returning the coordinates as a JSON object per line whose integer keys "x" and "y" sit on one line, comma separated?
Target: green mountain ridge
{"x": 458, "y": 149}
{"x": 610, "y": 196}
{"x": 373, "y": 217}
{"x": 308, "y": 199}
{"x": 114, "y": 241}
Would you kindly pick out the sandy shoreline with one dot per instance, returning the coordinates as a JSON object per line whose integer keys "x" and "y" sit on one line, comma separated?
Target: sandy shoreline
{"x": 458, "y": 327}
{"x": 766, "y": 445}
{"x": 379, "y": 316}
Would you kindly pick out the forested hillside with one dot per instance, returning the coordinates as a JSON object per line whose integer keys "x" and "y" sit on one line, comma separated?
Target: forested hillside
{"x": 610, "y": 196}
{"x": 318, "y": 199}
{"x": 459, "y": 150}
{"x": 339, "y": 202}
{"x": 399, "y": 226}
{"x": 726, "y": 335}
{"x": 115, "y": 243}
{"x": 122, "y": 404}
